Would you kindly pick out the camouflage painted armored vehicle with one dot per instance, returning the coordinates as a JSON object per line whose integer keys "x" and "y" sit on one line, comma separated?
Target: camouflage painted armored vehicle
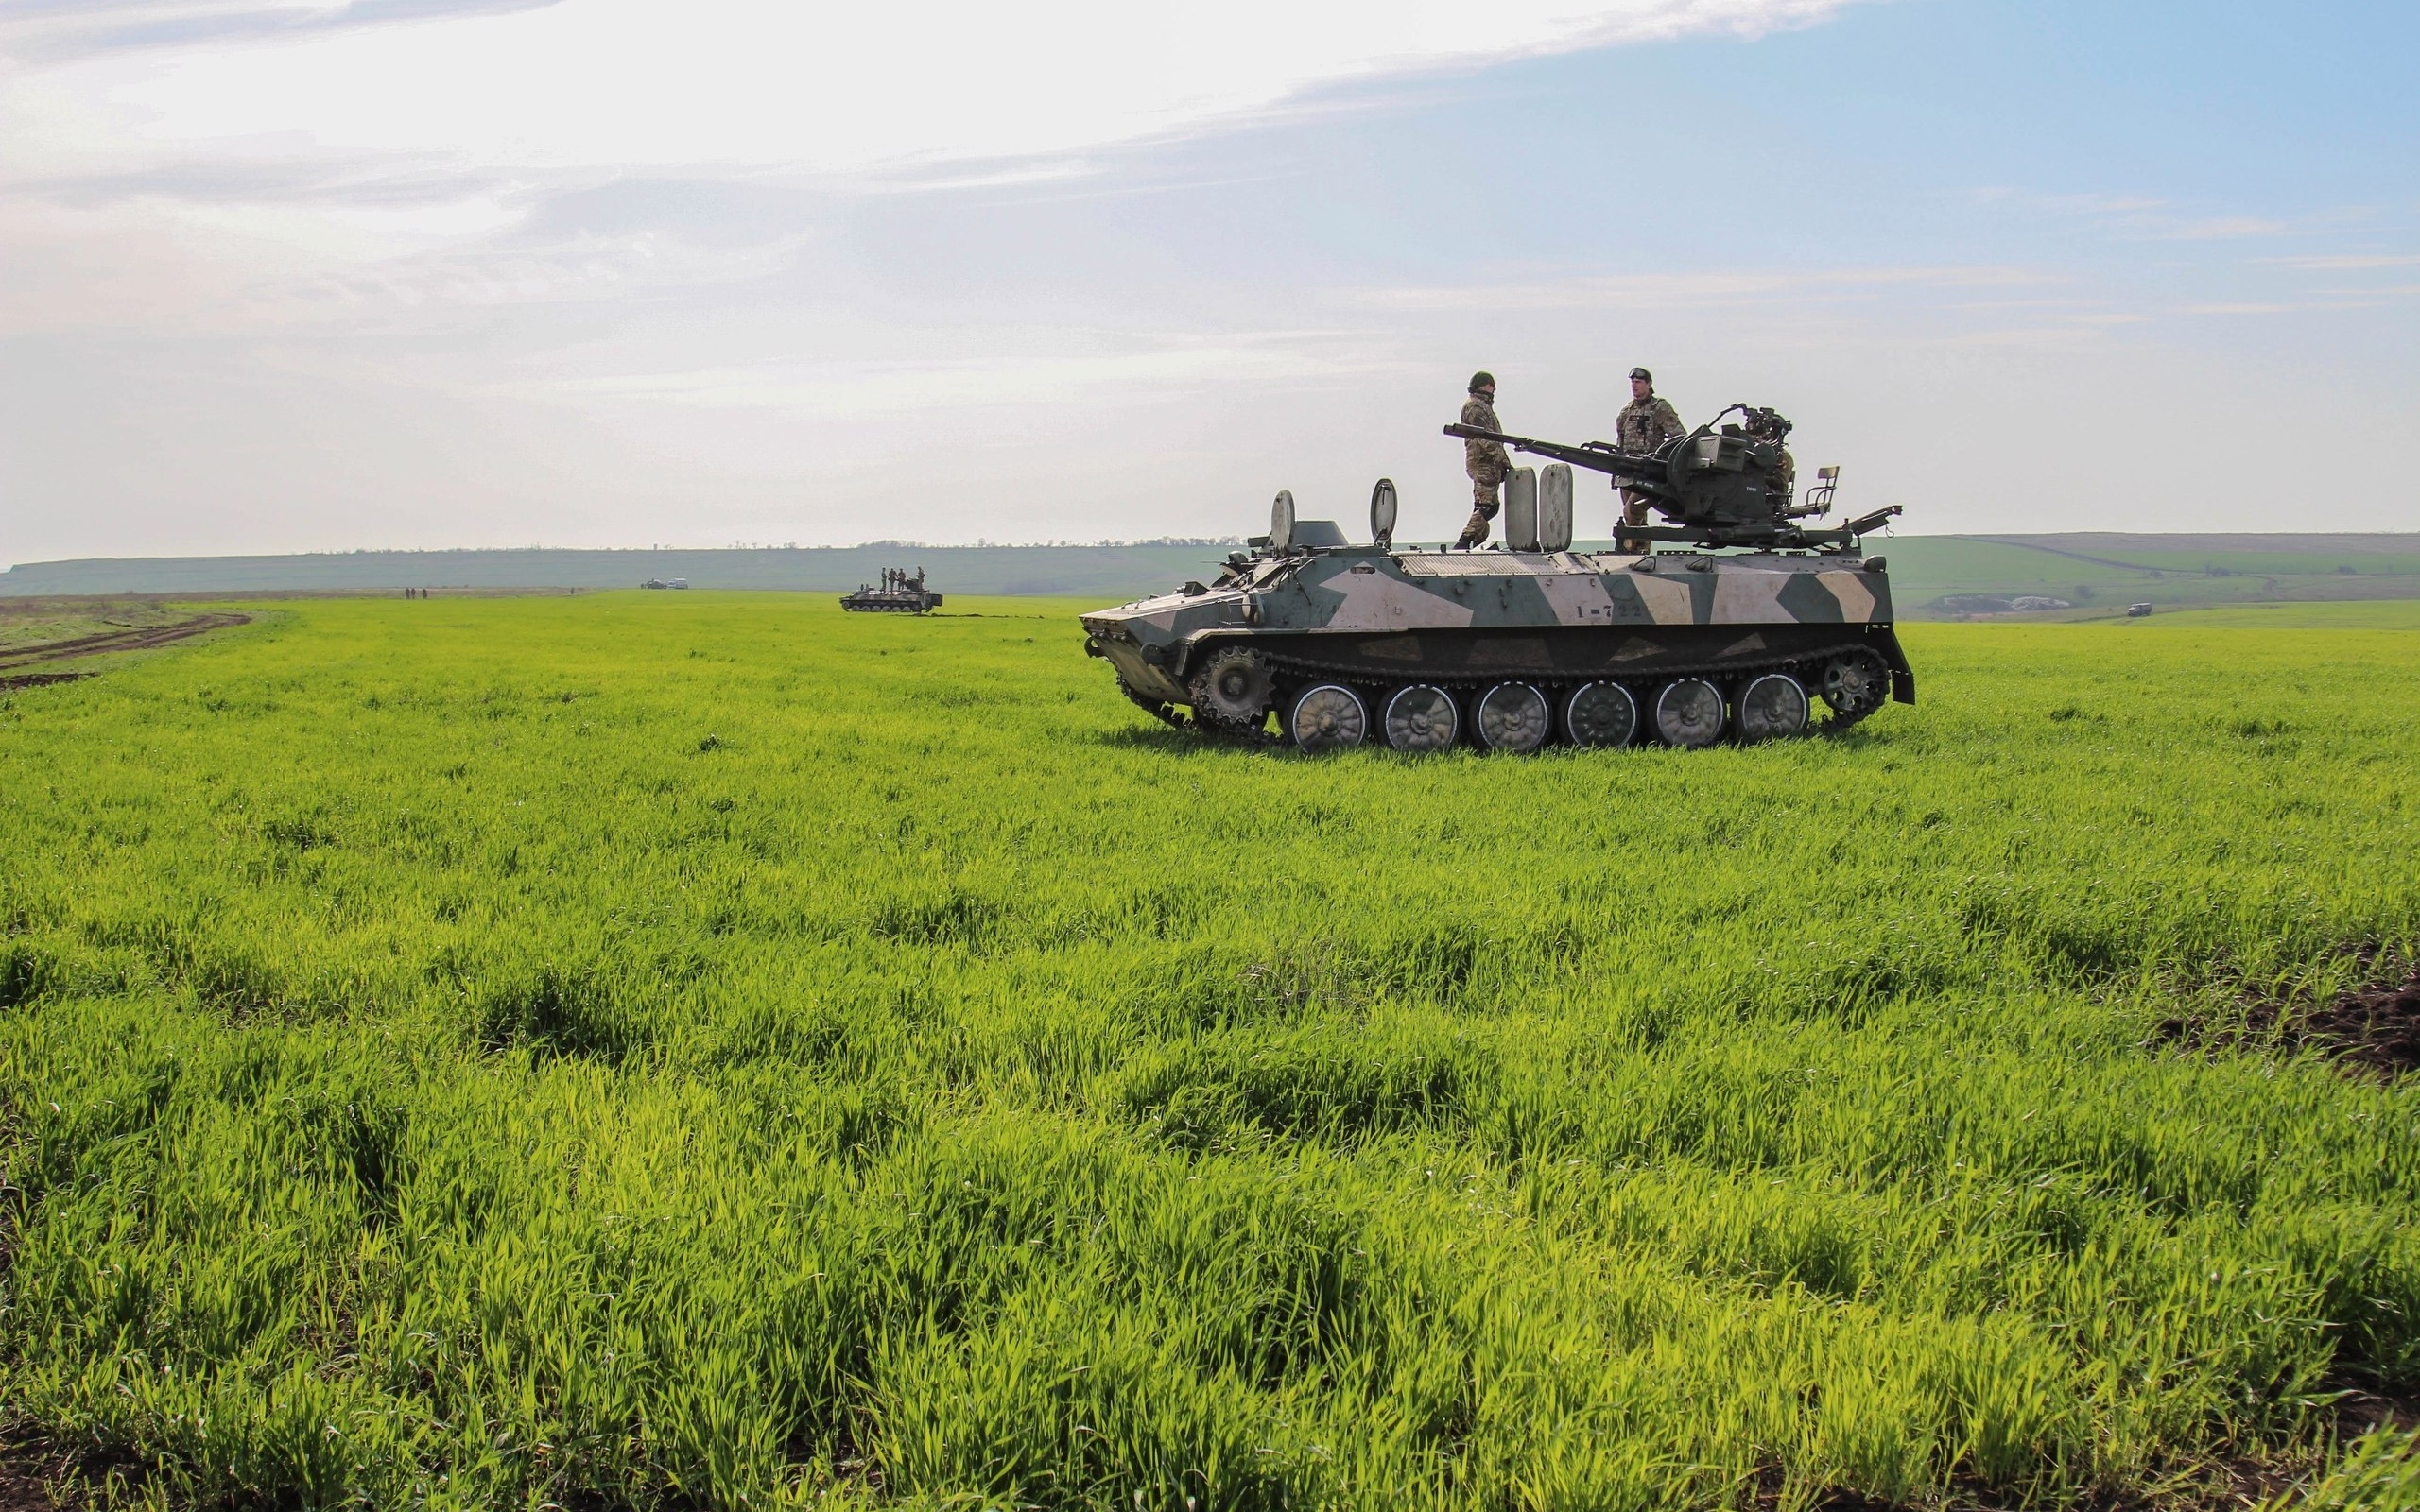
{"x": 1738, "y": 632}
{"x": 902, "y": 592}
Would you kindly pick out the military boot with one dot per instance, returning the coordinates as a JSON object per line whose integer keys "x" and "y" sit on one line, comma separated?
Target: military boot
{"x": 1473, "y": 533}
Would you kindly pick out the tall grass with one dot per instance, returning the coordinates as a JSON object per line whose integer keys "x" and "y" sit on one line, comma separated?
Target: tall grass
{"x": 711, "y": 1051}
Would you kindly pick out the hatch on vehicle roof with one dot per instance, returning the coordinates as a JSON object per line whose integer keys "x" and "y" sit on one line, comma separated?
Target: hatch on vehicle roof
{"x": 1319, "y": 533}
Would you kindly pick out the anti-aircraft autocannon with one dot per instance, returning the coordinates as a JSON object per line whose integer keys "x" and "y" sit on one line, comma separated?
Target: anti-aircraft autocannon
{"x": 1719, "y": 485}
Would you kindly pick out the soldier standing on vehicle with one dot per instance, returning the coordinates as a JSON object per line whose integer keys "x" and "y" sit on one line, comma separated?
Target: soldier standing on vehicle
{"x": 1647, "y": 422}
{"x": 1487, "y": 462}
{"x": 1782, "y": 483}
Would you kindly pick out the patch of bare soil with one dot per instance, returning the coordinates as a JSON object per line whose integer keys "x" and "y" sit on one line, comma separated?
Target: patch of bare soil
{"x": 2364, "y": 1413}
{"x": 2370, "y": 1030}
{"x": 2224, "y": 1482}
{"x": 39, "y": 680}
{"x": 37, "y": 1475}
{"x": 2376, "y": 1026}
{"x": 116, "y": 638}
{"x": 25, "y": 1479}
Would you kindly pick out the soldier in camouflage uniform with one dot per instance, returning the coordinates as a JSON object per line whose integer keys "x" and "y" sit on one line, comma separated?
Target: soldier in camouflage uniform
{"x": 1487, "y": 462}
{"x": 1646, "y": 423}
{"x": 1782, "y": 483}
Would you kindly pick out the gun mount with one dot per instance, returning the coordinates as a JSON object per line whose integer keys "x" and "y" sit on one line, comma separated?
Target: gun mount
{"x": 1719, "y": 485}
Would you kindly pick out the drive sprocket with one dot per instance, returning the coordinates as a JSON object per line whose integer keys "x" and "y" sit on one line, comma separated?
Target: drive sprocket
{"x": 1233, "y": 690}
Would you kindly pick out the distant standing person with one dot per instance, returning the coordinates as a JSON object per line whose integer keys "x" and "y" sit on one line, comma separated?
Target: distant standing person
{"x": 1647, "y": 422}
{"x": 1487, "y": 462}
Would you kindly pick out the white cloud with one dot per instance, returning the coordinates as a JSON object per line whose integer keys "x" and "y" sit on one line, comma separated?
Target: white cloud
{"x": 760, "y": 84}
{"x": 295, "y": 163}
{"x": 2346, "y": 262}
{"x": 2096, "y": 204}
{"x": 2138, "y": 216}
{"x": 2220, "y": 228}
{"x": 1691, "y": 290}
{"x": 811, "y": 392}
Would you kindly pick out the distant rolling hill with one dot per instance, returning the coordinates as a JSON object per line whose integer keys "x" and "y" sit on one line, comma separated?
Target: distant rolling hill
{"x": 1937, "y": 576}
{"x": 1115, "y": 571}
{"x": 1955, "y": 576}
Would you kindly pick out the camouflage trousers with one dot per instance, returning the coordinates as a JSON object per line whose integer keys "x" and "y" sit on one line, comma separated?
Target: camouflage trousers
{"x": 1633, "y": 514}
{"x": 1484, "y": 504}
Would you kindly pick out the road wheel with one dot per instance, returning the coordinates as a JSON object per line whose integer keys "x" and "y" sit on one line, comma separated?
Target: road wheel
{"x": 1601, "y": 714}
{"x": 1513, "y": 716}
{"x": 1688, "y": 714}
{"x": 1772, "y": 707}
{"x": 1328, "y": 717}
{"x": 1421, "y": 717}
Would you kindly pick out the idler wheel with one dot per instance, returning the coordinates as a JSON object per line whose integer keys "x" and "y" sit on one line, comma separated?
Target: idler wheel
{"x": 1773, "y": 707}
{"x": 1232, "y": 691}
{"x": 1328, "y": 717}
{"x": 1601, "y": 714}
{"x": 1688, "y": 714}
{"x": 1513, "y": 716}
{"x": 1855, "y": 684}
{"x": 1421, "y": 719}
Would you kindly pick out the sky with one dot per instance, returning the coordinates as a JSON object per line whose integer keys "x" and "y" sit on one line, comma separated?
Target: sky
{"x": 309, "y": 275}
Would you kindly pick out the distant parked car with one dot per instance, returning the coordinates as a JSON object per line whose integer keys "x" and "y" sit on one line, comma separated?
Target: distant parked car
{"x": 678, "y": 582}
{"x": 2135, "y": 611}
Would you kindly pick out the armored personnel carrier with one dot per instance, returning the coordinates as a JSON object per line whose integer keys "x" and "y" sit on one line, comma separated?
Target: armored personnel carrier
{"x": 900, "y": 593}
{"x": 1737, "y": 630}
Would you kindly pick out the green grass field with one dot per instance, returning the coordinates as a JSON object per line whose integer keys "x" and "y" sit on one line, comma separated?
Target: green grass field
{"x": 706, "y": 1050}
{"x": 2386, "y": 614}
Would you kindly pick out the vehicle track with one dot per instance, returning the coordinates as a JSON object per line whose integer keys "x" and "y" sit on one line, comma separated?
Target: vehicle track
{"x": 1296, "y": 672}
{"x": 124, "y": 638}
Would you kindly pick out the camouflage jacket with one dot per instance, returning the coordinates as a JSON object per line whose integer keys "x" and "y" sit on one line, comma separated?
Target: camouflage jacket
{"x": 1485, "y": 461}
{"x": 1647, "y": 423}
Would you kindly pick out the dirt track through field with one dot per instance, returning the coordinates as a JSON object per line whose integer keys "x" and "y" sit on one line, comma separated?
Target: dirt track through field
{"x": 124, "y": 638}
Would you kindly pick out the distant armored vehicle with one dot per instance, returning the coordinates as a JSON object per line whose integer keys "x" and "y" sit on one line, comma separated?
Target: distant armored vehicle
{"x": 1736, "y": 634}
{"x": 900, "y": 593}
{"x": 2135, "y": 611}
{"x": 659, "y": 582}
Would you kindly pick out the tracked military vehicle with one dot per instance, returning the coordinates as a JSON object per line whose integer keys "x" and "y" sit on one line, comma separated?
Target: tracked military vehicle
{"x": 902, "y": 592}
{"x": 1746, "y": 621}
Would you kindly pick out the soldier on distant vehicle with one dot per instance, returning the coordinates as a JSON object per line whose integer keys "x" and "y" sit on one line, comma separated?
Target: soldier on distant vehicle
{"x": 1646, "y": 423}
{"x": 1487, "y": 462}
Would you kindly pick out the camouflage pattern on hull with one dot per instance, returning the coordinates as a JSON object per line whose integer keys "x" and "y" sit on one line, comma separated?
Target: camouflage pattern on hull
{"x": 1378, "y": 620}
